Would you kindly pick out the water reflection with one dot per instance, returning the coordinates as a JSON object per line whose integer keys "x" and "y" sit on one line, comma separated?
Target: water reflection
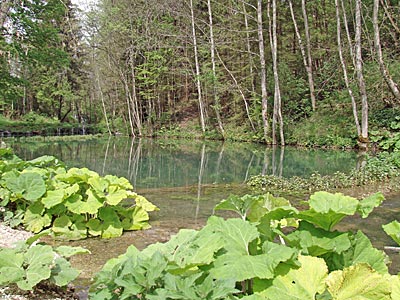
{"x": 157, "y": 163}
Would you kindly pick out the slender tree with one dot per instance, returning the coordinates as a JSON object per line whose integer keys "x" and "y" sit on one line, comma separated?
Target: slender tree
{"x": 264, "y": 95}
{"x": 306, "y": 59}
{"x": 309, "y": 57}
{"x": 363, "y": 139}
{"x": 197, "y": 64}
{"x": 377, "y": 42}
{"x": 277, "y": 113}
{"x": 214, "y": 71}
{"x": 344, "y": 68}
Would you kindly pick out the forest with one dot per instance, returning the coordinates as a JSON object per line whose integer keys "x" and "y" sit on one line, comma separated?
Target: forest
{"x": 281, "y": 72}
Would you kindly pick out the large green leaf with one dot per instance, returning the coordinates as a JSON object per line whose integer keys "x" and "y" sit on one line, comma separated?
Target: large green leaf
{"x": 364, "y": 252}
{"x": 115, "y": 195}
{"x": 70, "y": 227}
{"x": 359, "y": 282}
{"x": 68, "y": 251}
{"x": 239, "y": 204}
{"x": 30, "y": 186}
{"x": 99, "y": 184}
{"x": 77, "y": 205}
{"x": 393, "y": 230}
{"x": 53, "y": 198}
{"x": 317, "y": 241}
{"x": 111, "y": 226}
{"x": 235, "y": 233}
{"x": 299, "y": 284}
{"x": 38, "y": 259}
{"x": 326, "y": 209}
{"x": 144, "y": 203}
{"x": 241, "y": 267}
{"x": 62, "y": 273}
{"x": 11, "y": 269}
{"x": 35, "y": 219}
{"x": 367, "y": 205}
{"x": 190, "y": 248}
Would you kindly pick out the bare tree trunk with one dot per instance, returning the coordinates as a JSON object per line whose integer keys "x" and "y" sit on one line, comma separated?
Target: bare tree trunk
{"x": 363, "y": 139}
{"x": 277, "y": 114}
{"x": 264, "y": 95}
{"x": 215, "y": 94}
{"x": 246, "y": 105}
{"x": 344, "y": 68}
{"x": 196, "y": 58}
{"x": 99, "y": 89}
{"x": 134, "y": 99}
{"x": 246, "y": 24}
{"x": 377, "y": 42}
{"x": 4, "y": 9}
{"x": 346, "y": 26}
{"x": 309, "y": 58}
{"x": 304, "y": 56}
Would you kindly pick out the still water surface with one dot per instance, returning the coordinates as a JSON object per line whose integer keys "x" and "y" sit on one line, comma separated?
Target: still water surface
{"x": 185, "y": 179}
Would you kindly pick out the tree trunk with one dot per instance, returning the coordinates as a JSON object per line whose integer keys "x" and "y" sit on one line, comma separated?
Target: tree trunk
{"x": 264, "y": 95}
{"x": 214, "y": 78}
{"x": 196, "y": 59}
{"x": 363, "y": 139}
{"x": 304, "y": 56}
{"x": 344, "y": 68}
{"x": 4, "y": 9}
{"x": 246, "y": 105}
{"x": 246, "y": 25}
{"x": 277, "y": 114}
{"x": 377, "y": 42}
{"x": 309, "y": 58}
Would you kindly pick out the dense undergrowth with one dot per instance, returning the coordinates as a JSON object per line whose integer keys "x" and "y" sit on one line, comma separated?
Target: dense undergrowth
{"x": 384, "y": 168}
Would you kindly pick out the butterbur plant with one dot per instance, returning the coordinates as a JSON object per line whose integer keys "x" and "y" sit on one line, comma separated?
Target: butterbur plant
{"x": 29, "y": 264}
{"x": 75, "y": 203}
{"x": 272, "y": 251}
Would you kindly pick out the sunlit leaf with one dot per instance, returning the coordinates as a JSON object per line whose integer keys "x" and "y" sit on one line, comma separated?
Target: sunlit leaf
{"x": 358, "y": 282}
{"x": 367, "y": 205}
{"x": 53, "y": 198}
{"x": 144, "y": 203}
{"x": 317, "y": 241}
{"x": 326, "y": 209}
{"x": 30, "y": 185}
{"x": 299, "y": 284}
{"x": 62, "y": 272}
{"x": 242, "y": 267}
{"x": 393, "y": 230}
{"x": 33, "y": 218}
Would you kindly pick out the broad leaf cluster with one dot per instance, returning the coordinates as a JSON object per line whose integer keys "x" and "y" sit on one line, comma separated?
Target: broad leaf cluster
{"x": 74, "y": 203}
{"x": 27, "y": 265}
{"x": 274, "y": 251}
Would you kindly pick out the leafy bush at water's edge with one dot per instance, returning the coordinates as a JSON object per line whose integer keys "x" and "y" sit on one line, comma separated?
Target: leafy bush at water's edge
{"x": 74, "y": 203}
{"x": 29, "y": 264}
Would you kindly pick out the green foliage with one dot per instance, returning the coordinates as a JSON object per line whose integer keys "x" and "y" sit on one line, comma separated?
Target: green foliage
{"x": 272, "y": 252}
{"x": 30, "y": 264}
{"x": 381, "y": 168}
{"x": 393, "y": 230}
{"x": 74, "y": 203}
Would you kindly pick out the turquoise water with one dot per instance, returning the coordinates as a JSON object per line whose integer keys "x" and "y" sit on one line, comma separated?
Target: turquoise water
{"x": 161, "y": 163}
